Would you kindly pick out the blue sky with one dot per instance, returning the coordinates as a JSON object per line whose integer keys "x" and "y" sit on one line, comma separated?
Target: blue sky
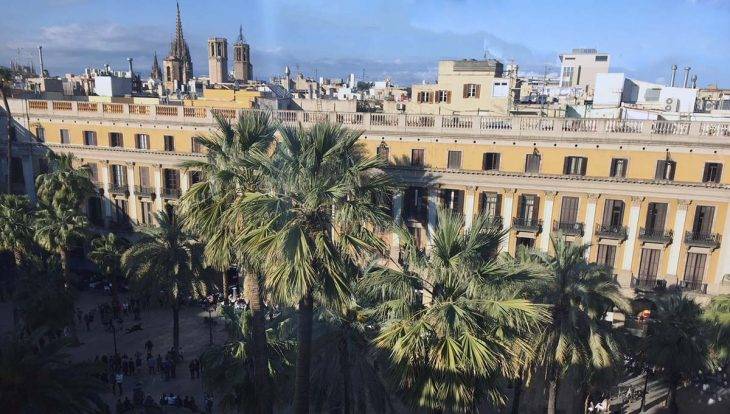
{"x": 399, "y": 39}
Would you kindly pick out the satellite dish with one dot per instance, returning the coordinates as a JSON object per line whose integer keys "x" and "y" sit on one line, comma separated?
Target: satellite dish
{"x": 669, "y": 101}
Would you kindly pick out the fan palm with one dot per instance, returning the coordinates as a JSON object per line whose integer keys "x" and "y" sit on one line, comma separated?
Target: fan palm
{"x": 16, "y": 225}
{"x": 717, "y": 316}
{"x": 676, "y": 342}
{"x": 448, "y": 350}
{"x": 229, "y": 171}
{"x": 229, "y": 368}
{"x": 320, "y": 187}
{"x": 65, "y": 186}
{"x": 579, "y": 293}
{"x": 42, "y": 380}
{"x": 57, "y": 229}
{"x": 167, "y": 260}
{"x": 106, "y": 253}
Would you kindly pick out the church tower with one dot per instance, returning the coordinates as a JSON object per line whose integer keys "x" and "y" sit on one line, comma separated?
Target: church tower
{"x": 242, "y": 69}
{"x": 156, "y": 73}
{"x": 218, "y": 60}
{"x": 178, "y": 67}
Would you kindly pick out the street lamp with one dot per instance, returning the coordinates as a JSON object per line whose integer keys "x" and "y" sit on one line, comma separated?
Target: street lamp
{"x": 211, "y": 304}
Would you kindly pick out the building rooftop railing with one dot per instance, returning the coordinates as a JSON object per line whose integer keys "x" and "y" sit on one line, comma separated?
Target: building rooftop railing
{"x": 392, "y": 122}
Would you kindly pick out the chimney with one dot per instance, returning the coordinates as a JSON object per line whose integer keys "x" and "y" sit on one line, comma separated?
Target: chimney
{"x": 686, "y": 76}
{"x": 40, "y": 54}
{"x": 107, "y": 69}
{"x": 131, "y": 71}
{"x": 674, "y": 75}
{"x": 694, "y": 81}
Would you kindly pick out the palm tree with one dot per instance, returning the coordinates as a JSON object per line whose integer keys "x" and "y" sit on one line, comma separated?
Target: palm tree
{"x": 57, "y": 229}
{"x": 450, "y": 344}
{"x": 228, "y": 173}
{"x": 43, "y": 380}
{"x": 167, "y": 259}
{"x": 717, "y": 315}
{"x": 579, "y": 293}
{"x": 320, "y": 187}
{"x": 65, "y": 186}
{"x": 106, "y": 253}
{"x": 676, "y": 342}
{"x": 16, "y": 225}
{"x": 229, "y": 368}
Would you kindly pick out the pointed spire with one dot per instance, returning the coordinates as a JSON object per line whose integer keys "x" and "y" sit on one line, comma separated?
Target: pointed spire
{"x": 240, "y": 34}
{"x": 156, "y": 72}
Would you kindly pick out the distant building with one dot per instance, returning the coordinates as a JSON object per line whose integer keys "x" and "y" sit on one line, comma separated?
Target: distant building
{"x": 156, "y": 73}
{"x": 110, "y": 85}
{"x": 242, "y": 68}
{"x": 178, "y": 64}
{"x": 218, "y": 60}
{"x": 580, "y": 68}
{"x": 616, "y": 89}
{"x": 465, "y": 87}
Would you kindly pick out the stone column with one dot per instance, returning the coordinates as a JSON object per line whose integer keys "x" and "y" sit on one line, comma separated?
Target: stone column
{"x": 132, "y": 193}
{"x": 184, "y": 181}
{"x": 507, "y": 201}
{"x": 158, "y": 187}
{"x": 433, "y": 201}
{"x": 547, "y": 220}
{"x": 469, "y": 194}
{"x": 632, "y": 233}
{"x": 397, "y": 218}
{"x": 28, "y": 178}
{"x": 590, "y": 222}
{"x": 678, "y": 236}
{"x": 106, "y": 201}
{"x": 723, "y": 265}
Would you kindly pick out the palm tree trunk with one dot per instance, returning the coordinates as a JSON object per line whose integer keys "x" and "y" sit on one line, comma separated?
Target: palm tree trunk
{"x": 258, "y": 335}
{"x": 176, "y": 328}
{"x": 345, "y": 368}
{"x": 224, "y": 279}
{"x": 552, "y": 396}
{"x": 516, "y": 395}
{"x": 304, "y": 355}
{"x": 115, "y": 291}
{"x": 18, "y": 259}
{"x": 64, "y": 268}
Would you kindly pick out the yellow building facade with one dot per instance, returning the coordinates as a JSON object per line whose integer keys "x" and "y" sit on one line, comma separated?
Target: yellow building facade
{"x": 650, "y": 197}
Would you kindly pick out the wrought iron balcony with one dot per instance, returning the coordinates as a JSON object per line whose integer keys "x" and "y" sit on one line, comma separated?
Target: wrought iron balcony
{"x": 693, "y": 286}
{"x": 495, "y": 220}
{"x": 527, "y": 224}
{"x": 568, "y": 228}
{"x": 170, "y": 192}
{"x": 608, "y": 231}
{"x": 121, "y": 189}
{"x": 144, "y": 191}
{"x": 692, "y": 238}
{"x": 655, "y": 235}
{"x": 647, "y": 283}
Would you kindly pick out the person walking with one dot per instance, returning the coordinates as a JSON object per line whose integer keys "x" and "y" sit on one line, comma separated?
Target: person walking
{"x": 119, "y": 380}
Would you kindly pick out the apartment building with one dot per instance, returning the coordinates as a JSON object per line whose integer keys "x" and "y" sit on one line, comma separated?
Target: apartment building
{"x": 580, "y": 67}
{"x": 651, "y": 197}
{"x": 465, "y": 87}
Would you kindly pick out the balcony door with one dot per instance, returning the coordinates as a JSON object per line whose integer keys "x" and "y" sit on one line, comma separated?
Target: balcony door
{"x": 702, "y": 223}
{"x": 528, "y": 210}
{"x": 613, "y": 213}
{"x": 694, "y": 270}
{"x": 656, "y": 215}
{"x": 490, "y": 205}
{"x": 649, "y": 264}
{"x": 569, "y": 210}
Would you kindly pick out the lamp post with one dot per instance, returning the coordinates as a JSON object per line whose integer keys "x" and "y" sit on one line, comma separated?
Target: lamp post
{"x": 211, "y": 304}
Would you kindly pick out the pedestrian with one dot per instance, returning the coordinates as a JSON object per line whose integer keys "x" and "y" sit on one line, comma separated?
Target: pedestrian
{"x": 87, "y": 319}
{"x": 119, "y": 379}
{"x": 150, "y": 365}
{"x": 148, "y": 346}
{"x": 191, "y": 367}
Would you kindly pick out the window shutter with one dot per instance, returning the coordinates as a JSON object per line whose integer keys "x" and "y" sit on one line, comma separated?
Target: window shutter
{"x": 448, "y": 96}
{"x": 718, "y": 174}
{"x": 707, "y": 218}
{"x": 659, "y": 174}
{"x": 536, "y": 210}
{"x": 661, "y": 215}
{"x": 566, "y": 165}
{"x": 466, "y": 90}
{"x": 607, "y": 212}
{"x": 583, "y": 165}
{"x": 478, "y": 88}
{"x": 431, "y": 97}
{"x": 671, "y": 166}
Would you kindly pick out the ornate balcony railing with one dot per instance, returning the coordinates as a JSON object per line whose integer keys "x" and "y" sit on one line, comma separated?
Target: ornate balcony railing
{"x": 171, "y": 192}
{"x": 647, "y": 283}
{"x": 144, "y": 191}
{"x": 693, "y": 286}
{"x": 527, "y": 224}
{"x": 121, "y": 189}
{"x": 608, "y": 231}
{"x": 692, "y": 238}
{"x": 568, "y": 228}
{"x": 655, "y": 235}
